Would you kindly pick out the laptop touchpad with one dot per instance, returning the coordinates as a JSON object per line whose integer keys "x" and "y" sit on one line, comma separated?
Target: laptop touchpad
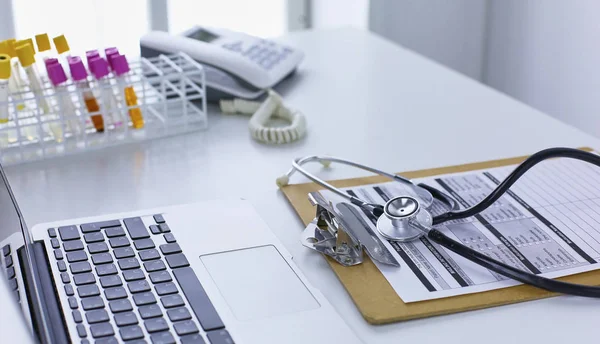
{"x": 258, "y": 283}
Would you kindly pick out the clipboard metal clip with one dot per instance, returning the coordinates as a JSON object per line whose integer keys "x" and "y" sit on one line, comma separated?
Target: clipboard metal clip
{"x": 326, "y": 234}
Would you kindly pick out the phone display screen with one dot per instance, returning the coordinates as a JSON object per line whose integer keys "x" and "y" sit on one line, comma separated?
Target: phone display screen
{"x": 203, "y": 35}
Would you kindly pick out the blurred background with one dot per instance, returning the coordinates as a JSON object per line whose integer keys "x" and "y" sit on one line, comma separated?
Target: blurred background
{"x": 541, "y": 52}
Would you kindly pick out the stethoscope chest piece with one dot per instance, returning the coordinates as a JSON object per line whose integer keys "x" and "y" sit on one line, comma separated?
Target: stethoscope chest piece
{"x": 398, "y": 215}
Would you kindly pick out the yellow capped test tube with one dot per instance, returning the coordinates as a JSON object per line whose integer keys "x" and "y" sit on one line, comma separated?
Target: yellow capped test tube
{"x": 5, "y": 73}
{"x": 27, "y": 59}
{"x": 15, "y": 82}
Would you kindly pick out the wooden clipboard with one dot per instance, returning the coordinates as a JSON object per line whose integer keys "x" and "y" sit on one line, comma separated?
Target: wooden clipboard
{"x": 375, "y": 297}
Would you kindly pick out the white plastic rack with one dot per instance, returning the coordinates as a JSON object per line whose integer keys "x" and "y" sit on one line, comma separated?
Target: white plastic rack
{"x": 170, "y": 102}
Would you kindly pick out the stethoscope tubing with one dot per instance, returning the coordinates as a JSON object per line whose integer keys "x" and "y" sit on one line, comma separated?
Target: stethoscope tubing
{"x": 440, "y": 238}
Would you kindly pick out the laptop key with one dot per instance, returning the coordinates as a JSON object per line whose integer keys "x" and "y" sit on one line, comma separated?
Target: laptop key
{"x": 68, "y": 233}
{"x": 186, "y": 327}
{"x": 102, "y": 258}
{"x": 119, "y": 242}
{"x": 178, "y": 314}
{"x": 96, "y": 226}
{"x": 170, "y": 248}
{"x": 81, "y": 331}
{"x": 106, "y": 269}
{"x": 126, "y": 319}
{"x": 115, "y": 232}
{"x": 69, "y": 290}
{"x": 115, "y": 293}
{"x": 108, "y": 340}
{"x": 76, "y": 256}
{"x": 77, "y": 316}
{"x": 64, "y": 277}
{"x": 160, "y": 276}
{"x": 118, "y": 306}
{"x": 136, "y": 228}
{"x": 128, "y": 263}
{"x": 102, "y": 330}
{"x": 133, "y": 275}
{"x": 193, "y": 339}
{"x": 156, "y": 265}
{"x": 131, "y": 332}
{"x": 93, "y": 237}
{"x": 156, "y": 325}
{"x": 13, "y": 284}
{"x": 73, "y": 302}
{"x": 162, "y": 338}
{"x": 54, "y": 243}
{"x": 111, "y": 281}
{"x": 164, "y": 228}
{"x": 62, "y": 266}
{"x": 170, "y": 238}
{"x": 79, "y": 267}
{"x": 198, "y": 299}
{"x": 158, "y": 218}
{"x": 165, "y": 288}
{"x": 143, "y": 244}
{"x": 171, "y": 301}
{"x": 138, "y": 286}
{"x": 123, "y": 252}
{"x": 97, "y": 316}
{"x": 142, "y": 299}
{"x": 58, "y": 254}
{"x": 150, "y": 311}
{"x": 6, "y": 250}
{"x": 52, "y": 232}
{"x": 84, "y": 278}
{"x": 219, "y": 337}
{"x": 88, "y": 290}
{"x": 92, "y": 303}
{"x": 8, "y": 262}
{"x": 149, "y": 254}
{"x": 73, "y": 245}
{"x": 85, "y": 341}
{"x": 98, "y": 247}
{"x": 177, "y": 261}
{"x": 154, "y": 229}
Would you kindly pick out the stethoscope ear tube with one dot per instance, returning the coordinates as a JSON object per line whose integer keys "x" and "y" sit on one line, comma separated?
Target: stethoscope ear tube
{"x": 511, "y": 272}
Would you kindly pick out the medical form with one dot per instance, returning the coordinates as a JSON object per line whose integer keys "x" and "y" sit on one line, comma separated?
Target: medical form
{"x": 547, "y": 224}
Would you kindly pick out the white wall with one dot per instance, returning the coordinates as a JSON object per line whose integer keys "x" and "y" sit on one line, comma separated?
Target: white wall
{"x": 450, "y": 32}
{"x": 327, "y": 14}
{"x": 547, "y": 54}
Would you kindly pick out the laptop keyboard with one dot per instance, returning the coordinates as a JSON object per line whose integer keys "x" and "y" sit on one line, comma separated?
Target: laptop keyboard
{"x": 126, "y": 282}
{"x": 9, "y": 257}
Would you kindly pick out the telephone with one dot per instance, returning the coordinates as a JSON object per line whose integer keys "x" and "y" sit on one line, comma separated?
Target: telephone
{"x": 236, "y": 64}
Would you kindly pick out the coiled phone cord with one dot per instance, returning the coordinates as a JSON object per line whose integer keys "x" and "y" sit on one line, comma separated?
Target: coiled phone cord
{"x": 272, "y": 107}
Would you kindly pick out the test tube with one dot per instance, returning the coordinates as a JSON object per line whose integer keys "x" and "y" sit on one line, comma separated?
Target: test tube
{"x": 79, "y": 75}
{"x": 25, "y": 54}
{"x": 58, "y": 78}
{"x": 43, "y": 45}
{"x": 5, "y": 76}
{"x": 62, "y": 48}
{"x": 110, "y": 53}
{"x": 15, "y": 83}
{"x": 99, "y": 68}
{"x": 4, "y": 90}
{"x": 121, "y": 70}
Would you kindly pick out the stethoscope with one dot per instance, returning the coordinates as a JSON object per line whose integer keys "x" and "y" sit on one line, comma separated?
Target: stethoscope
{"x": 406, "y": 217}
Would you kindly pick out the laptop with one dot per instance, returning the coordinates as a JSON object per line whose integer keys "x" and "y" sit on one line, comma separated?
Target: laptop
{"x": 200, "y": 273}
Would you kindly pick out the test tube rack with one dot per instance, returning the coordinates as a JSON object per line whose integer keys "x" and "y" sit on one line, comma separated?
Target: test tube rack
{"x": 171, "y": 93}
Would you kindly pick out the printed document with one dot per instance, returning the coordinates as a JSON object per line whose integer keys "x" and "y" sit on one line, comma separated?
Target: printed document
{"x": 547, "y": 224}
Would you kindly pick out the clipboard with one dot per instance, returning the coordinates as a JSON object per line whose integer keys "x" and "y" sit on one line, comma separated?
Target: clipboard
{"x": 374, "y": 296}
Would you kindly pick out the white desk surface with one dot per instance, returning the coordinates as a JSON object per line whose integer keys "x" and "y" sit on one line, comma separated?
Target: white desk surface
{"x": 365, "y": 99}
